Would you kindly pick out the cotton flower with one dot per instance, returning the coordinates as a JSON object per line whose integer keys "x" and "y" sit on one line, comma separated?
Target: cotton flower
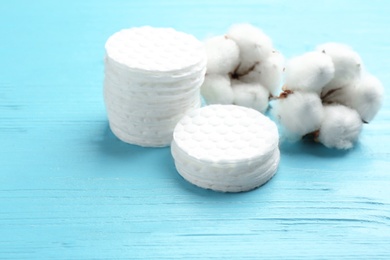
{"x": 340, "y": 127}
{"x": 347, "y": 64}
{"x": 222, "y": 55}
{"x": 269, "y": 73}
{"x": 216, "y": 89}
{"x": 254, "y": 46}
{"x": 252, "y": 95}
{"x": 368, "y": 97}
{"x": 299, "y": 113}
{"x": 364, "y": 95}
{"x": 343, "y": 95}
{"x": 309, "y": 72}
{"x": 328, "y": 95}
{"x": 243, "y": 68}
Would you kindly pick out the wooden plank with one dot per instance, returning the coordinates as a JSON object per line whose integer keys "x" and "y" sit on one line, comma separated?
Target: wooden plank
{"x": 70, "y": 190}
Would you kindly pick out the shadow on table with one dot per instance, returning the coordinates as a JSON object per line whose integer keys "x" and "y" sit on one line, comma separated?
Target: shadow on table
{"x": 111, "y": 146}
{"x": 151, "y": 161}
{"x": 158, "y": 162}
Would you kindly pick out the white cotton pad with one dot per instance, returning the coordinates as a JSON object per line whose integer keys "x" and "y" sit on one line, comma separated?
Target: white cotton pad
{"x": 299, "y": 113}
{"x": 152, "y": 78}
{"x": 340, "y": 127}
{"x": 254, "y": 45}
{"x": 226, "y": 148}
{"x": 347, "y": 64}
{"x": 309, "y": 72}
{"x": 155, "y": 50}
{"x": 223, "y": 55}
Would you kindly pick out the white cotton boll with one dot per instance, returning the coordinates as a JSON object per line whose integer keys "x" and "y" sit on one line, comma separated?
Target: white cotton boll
{"x": 309, "y": 72}
{"x": 343, "y": 95}
{"x": 364, "y": 95}
{"x": 347, "y": 63}
{"x": 268, "y": 73}
{"x": 299, "y": 113}
{"x": 223, "y": 55}
{"x": 340, "y": 128}
{"x": 254, "y": 45}
{"x": 216, "y": 89}
{"x": 252, "y": 95}
{"x": 367, "y": 97}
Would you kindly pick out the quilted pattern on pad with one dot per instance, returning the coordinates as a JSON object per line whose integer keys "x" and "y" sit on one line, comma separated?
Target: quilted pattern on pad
{"x": 226, "y": 148}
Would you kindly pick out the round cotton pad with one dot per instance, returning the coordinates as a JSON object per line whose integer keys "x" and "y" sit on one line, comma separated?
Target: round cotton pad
{"x": 152, "y": 79}
{"x": 226, "y": 148}
{"x": 149, "y": 49}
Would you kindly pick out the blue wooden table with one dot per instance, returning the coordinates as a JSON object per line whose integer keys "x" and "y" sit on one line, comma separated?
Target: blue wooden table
{"x": 70, "y": 190}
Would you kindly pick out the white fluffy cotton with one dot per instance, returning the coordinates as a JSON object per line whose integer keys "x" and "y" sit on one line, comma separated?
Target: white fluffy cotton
{"x": 367, "y": 97}
{"x": 223, "y": 55}
{"x": 242, "y": 68}
{"x": 216, "y": 89}
{"x": 254, "y": 45}
{"x": 343, "y": 96}
{"x": 299, "y": 113}
{"x": 309, "y": 72}
{"x": 364, "y": 95}
{"x": 340, "y": 95}
{"x": 347, "y": 64}
{"x": 340, "y": 127}
{"x": 252, "y": 95}
{"x": 269, "y": 73}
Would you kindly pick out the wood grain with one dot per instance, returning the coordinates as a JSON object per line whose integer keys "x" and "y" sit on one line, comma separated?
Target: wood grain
{"x": 70, "y": 190}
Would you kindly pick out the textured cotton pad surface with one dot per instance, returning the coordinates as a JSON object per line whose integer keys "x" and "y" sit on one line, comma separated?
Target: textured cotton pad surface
{"x": 152, "y": 78}
{"x": 226, "y": 148}
{"x": 154, "y": 49}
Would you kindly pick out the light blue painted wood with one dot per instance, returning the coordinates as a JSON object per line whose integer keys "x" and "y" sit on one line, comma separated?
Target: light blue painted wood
{"x": 70, "y": 190}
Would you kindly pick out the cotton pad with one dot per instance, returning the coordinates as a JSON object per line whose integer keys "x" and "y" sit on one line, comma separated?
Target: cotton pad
{"x": 152, "y": 78}
{"x": 226, "y": 148}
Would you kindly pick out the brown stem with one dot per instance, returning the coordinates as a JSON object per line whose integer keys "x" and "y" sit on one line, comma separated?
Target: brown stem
{"x": 285, "y": 94}
{"x": 234, "y": 74}
{"x": 330, "y": 92}
{"x": 314, "y": 135}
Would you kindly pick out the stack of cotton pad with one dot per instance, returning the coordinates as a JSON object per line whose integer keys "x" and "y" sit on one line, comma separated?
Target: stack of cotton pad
{"x": 152, "y": 79}
{"x": 226, "y": 148}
